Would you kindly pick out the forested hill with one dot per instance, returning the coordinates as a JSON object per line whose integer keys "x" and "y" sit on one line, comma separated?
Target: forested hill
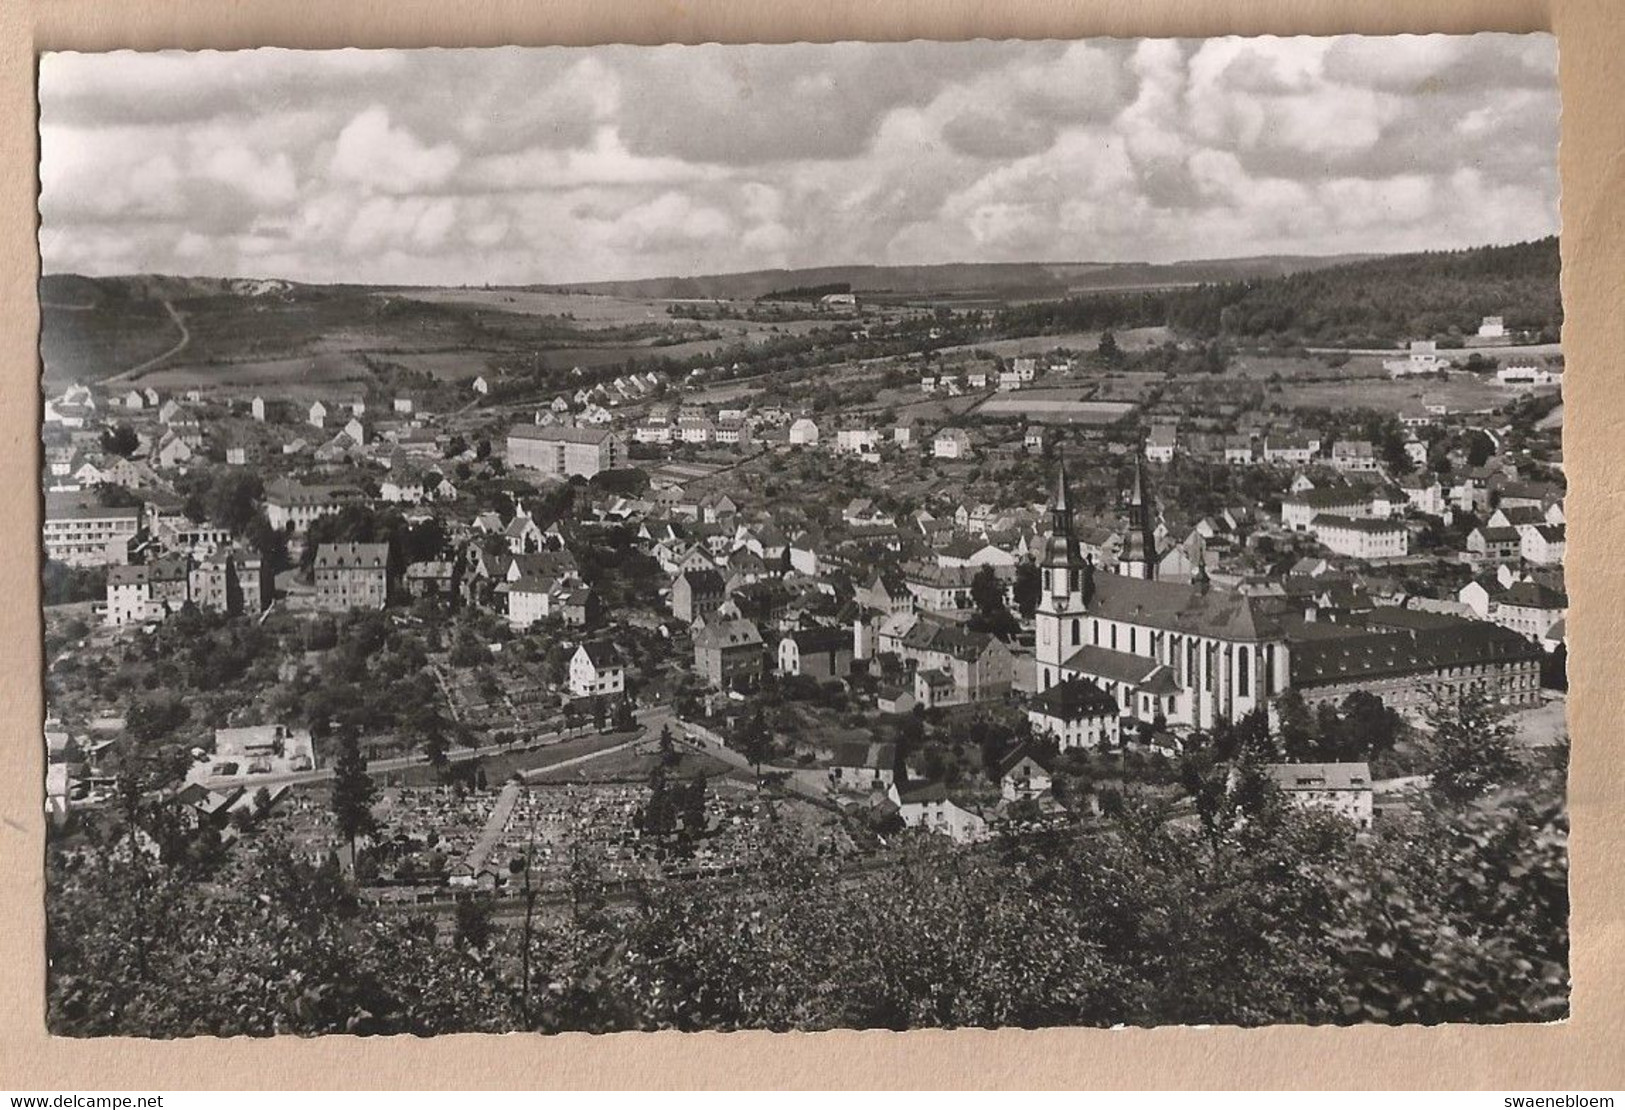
{"x": 1374, "y": 302}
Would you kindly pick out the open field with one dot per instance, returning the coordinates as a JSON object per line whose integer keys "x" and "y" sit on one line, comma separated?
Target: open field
{"x": 1288, "y": 367}
{"x": 254, "y": 335}
{"x": 1130, "y": 339}
{"x": 1055, "y": 406}
{"x": 581, "y": 308}
{"x": 1461, "y": 392}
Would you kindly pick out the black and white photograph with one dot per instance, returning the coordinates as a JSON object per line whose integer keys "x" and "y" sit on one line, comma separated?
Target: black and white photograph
{"x": 803, "y": 537}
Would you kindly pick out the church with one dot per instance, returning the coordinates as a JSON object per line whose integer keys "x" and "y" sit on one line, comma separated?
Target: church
{"x": 1190, "y": 654}
{"x": 1193, "y": 654}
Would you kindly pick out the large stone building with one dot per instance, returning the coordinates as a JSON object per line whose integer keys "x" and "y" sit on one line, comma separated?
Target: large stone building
{"x": 1361, "y": 538}
{"x": 291, "y": 505}
{"x": 352, "y": 576}
{"x": 147, "y": 592}
{"x": 1187, "y": 653}
{"x": 82, "y": 532}
{"x": 729, "y": 654}
{"x": 1409, "y": 658}
{"x": 563, "y": 452}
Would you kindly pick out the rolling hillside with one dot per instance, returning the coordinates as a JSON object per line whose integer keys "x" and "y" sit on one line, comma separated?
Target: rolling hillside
{"x": 1026, "y": 279}
{"x": 1369, "y": 302}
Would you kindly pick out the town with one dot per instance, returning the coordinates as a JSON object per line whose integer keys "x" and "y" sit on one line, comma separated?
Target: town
{"x": 485, "y": 639}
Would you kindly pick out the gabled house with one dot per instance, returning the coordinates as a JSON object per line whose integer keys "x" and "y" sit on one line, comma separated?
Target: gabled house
{"x": 597, "y": 670}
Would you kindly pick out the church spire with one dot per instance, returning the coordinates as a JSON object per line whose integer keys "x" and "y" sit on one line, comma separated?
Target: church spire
{"x": 1061, "y": 549}
{"x": 1139, "y": 558}
{"x": 1060, "y": 502}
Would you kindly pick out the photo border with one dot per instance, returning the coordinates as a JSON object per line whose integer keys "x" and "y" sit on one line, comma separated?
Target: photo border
{"x": 1582, "y": 1052}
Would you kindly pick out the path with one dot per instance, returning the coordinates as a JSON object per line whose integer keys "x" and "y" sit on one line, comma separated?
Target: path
{"x": 135, "y": 372}
{"x": 495, "y": 826}
{"x": 810, "y": 785}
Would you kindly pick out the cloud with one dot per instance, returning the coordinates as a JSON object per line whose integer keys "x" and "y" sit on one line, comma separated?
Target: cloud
{"x": 556, "y": 164}
{"x": 371, "y": 153}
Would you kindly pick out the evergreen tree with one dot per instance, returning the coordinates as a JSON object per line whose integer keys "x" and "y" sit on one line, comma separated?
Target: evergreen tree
{"x": 353, "y": 792}
{"x": 1027, "y": 589}
{"x": 757, "y": 742}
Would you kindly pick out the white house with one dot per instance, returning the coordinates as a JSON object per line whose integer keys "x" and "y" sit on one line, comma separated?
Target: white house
{"x": 1340, "y": 788}
{"x": 927, "y": 806}
{"x": 951, "y": 443}
{"x": 1423, "y": 359}
{"x": 1543, "y": 544}
{"x": 1076, "y": 714}
{"x": 317, "y": 418}
{"x": 804, "y": 432}
{"x": 597, "y": 670}
{"x": 857, "y": 441}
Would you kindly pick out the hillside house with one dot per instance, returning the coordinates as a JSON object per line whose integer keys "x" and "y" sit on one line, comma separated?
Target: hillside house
{"x": 820, "y": 653}
{"x": 951, "y": 443}
{"x": 728, "y": 654}
{"x": 597, "y": 670}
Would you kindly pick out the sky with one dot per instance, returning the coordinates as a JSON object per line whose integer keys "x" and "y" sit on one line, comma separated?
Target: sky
{"x": 515, "y": 165}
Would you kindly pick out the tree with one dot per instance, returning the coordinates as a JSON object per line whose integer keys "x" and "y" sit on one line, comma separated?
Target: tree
{"x": 121, "y": 440}
{"x": 1028, "y": 588}
{"x": 1108, "y": 350}
{"x": 1296, "y": 727}
{"x": 987, "y": 594}
{"x": 625, "y": 717}
{"x": 474, "y": 928}
{"x": 1470, "y": 749}
{"x": 150, "y": 720}
{"x": 1370, "y": 728}
{"x": 756, "y": 742}
{"x": 353, "y": 792}
{"x": 232, "y": 498}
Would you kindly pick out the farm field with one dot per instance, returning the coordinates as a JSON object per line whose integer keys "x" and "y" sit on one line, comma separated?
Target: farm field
{"x": 301, "y": 377}
{"x": 1058, "y": 406}
{"x": 1461, "y": 392}
{"x": 1262, "y": 367}
{"x": 1130, "y": 339}
{"x": 581, "y": 308}
{"x": 249, "y": 335}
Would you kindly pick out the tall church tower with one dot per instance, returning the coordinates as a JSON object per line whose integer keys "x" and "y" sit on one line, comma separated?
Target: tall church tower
{"x": 1139, "y": 558}
{"x": 1066, "y": 588}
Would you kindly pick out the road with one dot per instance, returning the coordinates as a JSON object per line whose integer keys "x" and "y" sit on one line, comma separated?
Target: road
{"x": 652, "y": 720}
{"x": 812, "y": 785}
{"x": 136, "y": 371}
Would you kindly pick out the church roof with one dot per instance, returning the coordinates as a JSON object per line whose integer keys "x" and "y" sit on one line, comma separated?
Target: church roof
{"x": 1188, "y": 608}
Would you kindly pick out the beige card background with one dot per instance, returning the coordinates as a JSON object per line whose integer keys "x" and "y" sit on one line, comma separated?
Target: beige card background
{"x": 1588, "y": 1051}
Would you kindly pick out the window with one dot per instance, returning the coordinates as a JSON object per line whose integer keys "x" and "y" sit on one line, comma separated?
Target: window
{"x": 1114, "y": 637}
{"x": 1244, "y": 672}
{"x": 1077, "y": 632}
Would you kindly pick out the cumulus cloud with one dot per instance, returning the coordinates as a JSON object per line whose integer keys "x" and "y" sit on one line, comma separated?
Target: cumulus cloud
{"x": 520, "y": 165}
